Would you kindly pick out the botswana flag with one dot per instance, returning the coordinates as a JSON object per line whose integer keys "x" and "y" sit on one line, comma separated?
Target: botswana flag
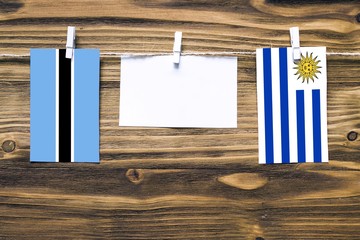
{"x": 291, "y": 98}
{"x": 64, "y": 106}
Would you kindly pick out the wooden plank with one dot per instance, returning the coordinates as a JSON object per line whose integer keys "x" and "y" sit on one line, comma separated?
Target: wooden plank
{"x": 246, "y": 202}
{"x": 179, "y": 183}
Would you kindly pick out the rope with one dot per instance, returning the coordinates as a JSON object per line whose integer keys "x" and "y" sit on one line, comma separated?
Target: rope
{"x": 126, "y": 54}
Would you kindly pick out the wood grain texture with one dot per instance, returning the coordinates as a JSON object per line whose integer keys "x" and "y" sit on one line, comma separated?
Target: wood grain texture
{"x": 165, "y": 183}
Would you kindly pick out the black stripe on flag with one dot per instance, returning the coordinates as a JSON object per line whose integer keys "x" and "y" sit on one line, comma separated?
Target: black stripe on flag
{"x": 64, "y": 107}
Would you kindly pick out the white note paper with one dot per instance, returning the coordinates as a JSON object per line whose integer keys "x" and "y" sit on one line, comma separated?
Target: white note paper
{"x": 200, "y": 92}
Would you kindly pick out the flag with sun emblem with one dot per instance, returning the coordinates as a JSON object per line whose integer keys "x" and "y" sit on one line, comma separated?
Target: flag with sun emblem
{"x": 291, "y": 98}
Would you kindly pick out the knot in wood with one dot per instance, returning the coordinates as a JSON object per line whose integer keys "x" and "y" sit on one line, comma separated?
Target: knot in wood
{"x": 135, "y": 176}
{"x": 245, "y": 181}
{"x": 8, "y": 146}
{"x": 358, "y": 18}
{"x": 352, "y": 136}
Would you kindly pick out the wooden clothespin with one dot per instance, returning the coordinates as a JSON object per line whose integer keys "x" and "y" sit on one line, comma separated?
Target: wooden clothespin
{"x": 177, "y": 47}
{"x": 295, "y": 43}
{"x": 70, "y": 43}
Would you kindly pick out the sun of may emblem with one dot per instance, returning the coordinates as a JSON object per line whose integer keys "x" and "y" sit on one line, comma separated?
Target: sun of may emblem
{"x": 307, "y": 68}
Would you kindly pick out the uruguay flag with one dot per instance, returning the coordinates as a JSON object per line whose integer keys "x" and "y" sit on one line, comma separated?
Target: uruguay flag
{"x": 292, "y": 119}
{"x": 64, "y": 106}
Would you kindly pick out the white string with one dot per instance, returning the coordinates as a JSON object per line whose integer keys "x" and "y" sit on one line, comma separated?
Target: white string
{"x": 343, "y": 54}
{"x": 128, "y": 54}
{"x": 182, "y": 53}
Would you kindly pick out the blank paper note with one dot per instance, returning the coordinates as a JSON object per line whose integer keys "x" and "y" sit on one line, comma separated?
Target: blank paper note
{"x": 200, "y": 92}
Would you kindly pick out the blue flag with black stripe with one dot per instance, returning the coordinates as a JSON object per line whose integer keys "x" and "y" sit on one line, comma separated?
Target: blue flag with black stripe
{"x": 292, "y": 114}
{"x": 64, "y": 106}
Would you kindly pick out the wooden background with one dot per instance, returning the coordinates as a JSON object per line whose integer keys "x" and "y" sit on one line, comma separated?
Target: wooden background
{"x": 180, "y": 183}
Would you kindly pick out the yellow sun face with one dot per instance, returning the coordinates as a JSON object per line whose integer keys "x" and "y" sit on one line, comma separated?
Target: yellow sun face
{"x": 307, "y": 68}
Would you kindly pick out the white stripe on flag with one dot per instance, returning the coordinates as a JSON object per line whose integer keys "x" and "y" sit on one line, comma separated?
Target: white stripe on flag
{"x": 72, "y": 108}
{"x": 323, "y": 103}
{"x": 57, "y": 107}
{"x": 275, "y": 81}
{"x": 292, "y": 111}
{"x": 260, "y": 93}
{"x": 309, "y": 149}
{"x": 324, "y": 134}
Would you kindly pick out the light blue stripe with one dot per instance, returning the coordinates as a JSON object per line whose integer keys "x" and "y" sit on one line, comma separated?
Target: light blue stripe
{"x": 300, "y": 113}
{"x": 284, "y": 104}
{"x": 316, "y": 125}
{"x": 86, "y": 105}
{"x": 269, "y": 141}
{"x": 42, "y": 105}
